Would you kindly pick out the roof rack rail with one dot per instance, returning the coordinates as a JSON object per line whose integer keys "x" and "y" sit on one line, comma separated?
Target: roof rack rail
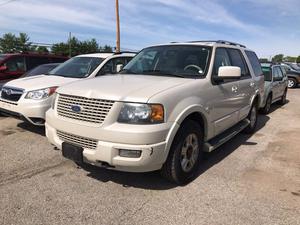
{"x": 230, "y": 43}
{"x": 117, "y": 53}
{"x": 221, "y": 42}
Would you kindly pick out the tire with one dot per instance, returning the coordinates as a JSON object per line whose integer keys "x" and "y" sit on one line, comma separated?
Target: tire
{"x": 292, "y": 83}
{"x": 282, "y": 101}
{"x": 267, "y": 107}
{"x": 185, "y": 154}
{"x": 253, "y": 114}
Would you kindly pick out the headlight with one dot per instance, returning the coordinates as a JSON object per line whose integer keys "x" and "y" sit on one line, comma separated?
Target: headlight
{"x": 40, "y": 94}
{"x": 141, "y": 113}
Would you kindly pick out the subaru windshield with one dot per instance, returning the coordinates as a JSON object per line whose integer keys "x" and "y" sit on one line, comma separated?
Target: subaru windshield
{"x": 77, "y": 67}
{"x": 188, "y": 61}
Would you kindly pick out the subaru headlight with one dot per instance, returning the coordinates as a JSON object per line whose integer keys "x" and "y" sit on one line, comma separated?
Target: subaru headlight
{"x": 137, "y": 113}
{"x": 41, "y": 94}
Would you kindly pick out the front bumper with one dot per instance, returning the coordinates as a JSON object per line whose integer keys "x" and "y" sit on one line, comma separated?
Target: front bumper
{"x": 27, "y": 110}
{"x": 151, "y": 141}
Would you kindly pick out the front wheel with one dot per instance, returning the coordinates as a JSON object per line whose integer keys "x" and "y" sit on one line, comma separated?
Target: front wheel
{"x": 292, "y": 83}
{"x": 185, "y": 154}
{"x": 252, "y": 117}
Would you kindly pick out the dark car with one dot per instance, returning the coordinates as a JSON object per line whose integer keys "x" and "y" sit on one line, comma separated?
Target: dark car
{"x": 41, "y": 69}
{"x": 13, "y": 66}
{"x": 293, "y": 74}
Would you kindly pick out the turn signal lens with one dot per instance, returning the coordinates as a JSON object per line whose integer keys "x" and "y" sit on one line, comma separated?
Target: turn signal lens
{"x": 157, "y": 113}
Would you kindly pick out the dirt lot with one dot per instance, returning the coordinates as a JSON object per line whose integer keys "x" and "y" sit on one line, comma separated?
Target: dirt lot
{"x": 250, "y": 180}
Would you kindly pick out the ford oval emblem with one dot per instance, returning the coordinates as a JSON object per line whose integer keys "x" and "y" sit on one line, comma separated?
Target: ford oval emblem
{"x": 76, "y": 108}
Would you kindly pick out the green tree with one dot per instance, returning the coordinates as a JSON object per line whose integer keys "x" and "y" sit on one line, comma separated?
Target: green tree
{"x": 42, "y": 49}
{"x": 278, "y": 58}
{"x": 298, "y": 59}
{"x": 78, "y": 47}
{"x": 263, "y": 60}
{"x": 10, "y": 43}
{"x": 289, "y": 59}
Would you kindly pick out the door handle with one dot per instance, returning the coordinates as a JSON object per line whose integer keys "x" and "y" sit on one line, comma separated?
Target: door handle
{"x": 252, "y": 84}
{"x": 234, "y": 88}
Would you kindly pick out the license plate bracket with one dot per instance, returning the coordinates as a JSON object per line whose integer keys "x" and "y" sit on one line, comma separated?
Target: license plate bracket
{"x": 72, "y": 152}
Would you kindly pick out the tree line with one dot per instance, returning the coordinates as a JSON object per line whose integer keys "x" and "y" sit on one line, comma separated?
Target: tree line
{"x": 11, "y": 43}
{"x": 282, "y": 58}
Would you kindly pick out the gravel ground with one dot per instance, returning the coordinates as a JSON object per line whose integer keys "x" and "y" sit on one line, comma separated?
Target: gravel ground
{"x": 250, "y": 180}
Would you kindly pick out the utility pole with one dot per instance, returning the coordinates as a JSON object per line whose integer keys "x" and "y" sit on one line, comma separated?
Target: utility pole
{"x": 118, "y": 48}
{"x": 70, "y": 46}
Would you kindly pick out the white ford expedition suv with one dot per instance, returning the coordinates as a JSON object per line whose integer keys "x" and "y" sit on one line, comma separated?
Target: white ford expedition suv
{"x": 170, "y": 104}
{"x": 29, "y": 98}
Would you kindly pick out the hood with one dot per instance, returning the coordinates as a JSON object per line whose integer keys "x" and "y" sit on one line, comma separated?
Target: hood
{"x": 130, "y": 88}
{"x": 39, "y": 82}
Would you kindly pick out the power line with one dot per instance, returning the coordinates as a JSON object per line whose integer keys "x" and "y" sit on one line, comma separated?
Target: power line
{"x": 7, "y": 2}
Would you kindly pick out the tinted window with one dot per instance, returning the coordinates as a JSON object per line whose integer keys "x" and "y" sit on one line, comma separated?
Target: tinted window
{"x": 283, "y": 70}
{"x": 177, "y": 60}
{"x": 254, "y": 63}
{"x": 39, "y": 70}
{"x": 267, "y": 73}
{"x": 238, "y": 60}
{"x": 77, "y": 67}
{"x": 221, "y": 59}
{"x": 277, "y": 73}
{"x": 33, "y": 61}
{"x": 16, "y": 64}
{"x": 111, "y": 66}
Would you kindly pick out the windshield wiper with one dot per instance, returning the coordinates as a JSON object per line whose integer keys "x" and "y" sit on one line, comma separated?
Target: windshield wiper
{"x": 160, "y": 72}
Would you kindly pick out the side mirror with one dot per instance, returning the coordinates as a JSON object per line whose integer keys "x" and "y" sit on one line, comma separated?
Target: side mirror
{"x": 119, "y": 67}
{"x": 229, "y": 72}
{"x": 3, "y": 68}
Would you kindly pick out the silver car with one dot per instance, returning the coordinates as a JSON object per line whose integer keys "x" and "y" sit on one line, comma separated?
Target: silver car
{"x": 276, "y": 85}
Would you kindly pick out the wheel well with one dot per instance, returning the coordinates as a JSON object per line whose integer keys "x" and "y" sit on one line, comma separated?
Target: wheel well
{"x": 256, "y": 101}
{"x": 198, "y": 118}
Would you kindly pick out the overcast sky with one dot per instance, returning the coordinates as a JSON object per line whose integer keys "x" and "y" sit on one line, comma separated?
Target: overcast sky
{"x": 266, "y": 26}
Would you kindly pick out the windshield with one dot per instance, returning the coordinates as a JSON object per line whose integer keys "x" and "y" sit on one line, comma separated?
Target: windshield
{"x": 187, "y": 61}
{"x": 77, "y": 67}
{"x": 295, "y": 67}
{"x": 267, "y": 73}
{"x": 39, "y": 70}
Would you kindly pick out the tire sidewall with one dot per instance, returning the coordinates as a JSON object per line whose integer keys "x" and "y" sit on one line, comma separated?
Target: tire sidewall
{"x": 188, "y": 127}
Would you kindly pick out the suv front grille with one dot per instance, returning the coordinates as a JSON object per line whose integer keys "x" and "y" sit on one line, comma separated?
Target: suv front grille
{"x": 77, "y": 140}
{"x": 11, "y": 94}
{"x": 83, "y": 109}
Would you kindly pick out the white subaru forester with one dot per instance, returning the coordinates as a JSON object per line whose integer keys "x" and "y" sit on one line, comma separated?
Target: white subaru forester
{"x": 29, "y": 98}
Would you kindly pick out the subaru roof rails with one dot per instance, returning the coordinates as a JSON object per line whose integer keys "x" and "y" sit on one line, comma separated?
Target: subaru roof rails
{"x": 116, "y": 53}
{"x": 221, "y": 42}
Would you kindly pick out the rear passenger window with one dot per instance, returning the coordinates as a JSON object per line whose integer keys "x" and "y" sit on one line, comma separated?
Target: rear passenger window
{"x": 34, "y": 61}
{"x": 254, "y": 63}
{"x": 238, "y": 60}
{"x": 221, "y": 59}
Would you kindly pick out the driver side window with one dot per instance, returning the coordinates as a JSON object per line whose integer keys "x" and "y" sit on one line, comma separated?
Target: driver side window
{"x": 221, "y": 59}
{"x": 16, "y": 64}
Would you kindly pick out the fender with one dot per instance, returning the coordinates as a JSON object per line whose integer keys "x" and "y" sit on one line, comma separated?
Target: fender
{"x": 257, "y": 94}
{"x": 180, "y": 118}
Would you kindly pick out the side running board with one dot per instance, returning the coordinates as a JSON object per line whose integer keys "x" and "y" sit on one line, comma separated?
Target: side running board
{"x": 225, "y": 136}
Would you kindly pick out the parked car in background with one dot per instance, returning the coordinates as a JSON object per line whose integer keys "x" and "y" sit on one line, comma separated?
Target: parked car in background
{"x": 40, "y": 70}
{"x": 293, "y": 74}
{"x": 13, "y": 66}
{"x": 29, "y": 98}
{"x": 276, "y": 85}
{"x": 170, "y": 104}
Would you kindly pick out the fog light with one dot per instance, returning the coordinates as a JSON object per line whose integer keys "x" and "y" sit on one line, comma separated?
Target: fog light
{"x": 130, "y": 153}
